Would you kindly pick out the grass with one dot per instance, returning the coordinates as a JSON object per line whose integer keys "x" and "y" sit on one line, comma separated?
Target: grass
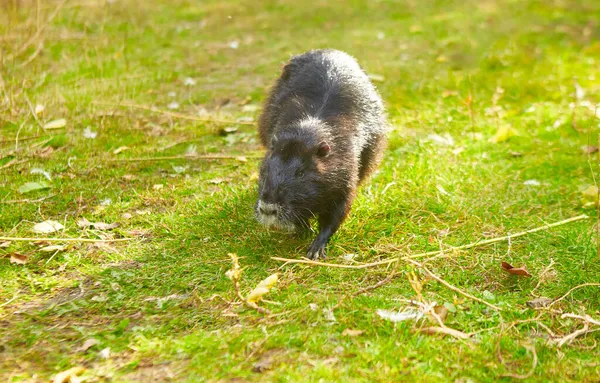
{"x": 162, "y": 303}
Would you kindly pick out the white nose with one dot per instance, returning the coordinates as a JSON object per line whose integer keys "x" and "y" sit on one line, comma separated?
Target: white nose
{"x": 267, "y": 208}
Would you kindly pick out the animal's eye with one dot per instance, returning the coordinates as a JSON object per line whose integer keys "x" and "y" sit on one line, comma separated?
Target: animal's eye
{"x": 299, "y": 173}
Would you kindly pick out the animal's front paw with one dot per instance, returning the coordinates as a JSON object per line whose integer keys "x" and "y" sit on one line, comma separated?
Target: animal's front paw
{"x": 316, "y": 251}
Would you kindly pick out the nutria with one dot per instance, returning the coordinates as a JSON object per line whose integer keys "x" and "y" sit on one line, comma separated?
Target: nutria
{"x": 324, "y": 128}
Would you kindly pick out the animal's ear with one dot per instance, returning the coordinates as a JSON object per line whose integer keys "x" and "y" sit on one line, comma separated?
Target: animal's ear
{"x": 287, "y": 70}
{"x": 323, "y": 149}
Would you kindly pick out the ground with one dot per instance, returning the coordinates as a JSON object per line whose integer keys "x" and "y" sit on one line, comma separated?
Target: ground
{"x": 149, "y": 80}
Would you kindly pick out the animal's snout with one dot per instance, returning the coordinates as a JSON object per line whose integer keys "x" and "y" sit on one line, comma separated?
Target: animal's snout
{"x": 267, "y": 209}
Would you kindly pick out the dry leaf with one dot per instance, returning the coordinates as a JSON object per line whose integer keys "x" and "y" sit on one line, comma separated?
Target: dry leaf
{"x": 515, "y": 270}
{"x": 56, "y": 124}
{"x": 399, "y": 316}
{"x": 448, "y": 93}
{"x": 48, "y": 226}
{"x": 87, "y": 345}
{"x": 87, "y": 133}
{"x": 137, "y": 232}
{"x": 52, "y": 248}
{"x": 376, "y": 77}
{"x": 352, "y": 333}
{"x": 262, "y": 288}
{"x": 18, "y": 259}
{"x": 4, "y": 245}
{"x": 589, "y": 149}
{"x": 69, "y": 376}
{"x": 441, "y": 311}
{"x": 120, "y": 149}
{"x": 445, "y": 331}
{"x": 504, "y": 133}
{"x": 84, "y": 223}
{"x": 105, "y": 353}
{"x": 589, "y": 196}
{"x": 157, "y": 186}
{"x": 39, "y": 109}
{"x": 236, "y": 272}
{"x": 539, "y": 302}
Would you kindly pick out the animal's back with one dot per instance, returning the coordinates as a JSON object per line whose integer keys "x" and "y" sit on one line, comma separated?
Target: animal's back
{"x": 331, "y": 86}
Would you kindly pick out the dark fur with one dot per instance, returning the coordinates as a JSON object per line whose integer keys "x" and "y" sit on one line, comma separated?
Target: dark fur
{"x": 344, "y": 110}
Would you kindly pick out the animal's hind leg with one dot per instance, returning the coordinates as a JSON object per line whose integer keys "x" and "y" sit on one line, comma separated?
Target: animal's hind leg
{"x": 371, "y": 157}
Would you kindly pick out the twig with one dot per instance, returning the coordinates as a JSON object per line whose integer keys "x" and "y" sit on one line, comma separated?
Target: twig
{"x": 569, "y": 338}
{"x": 12, "y": 162}
{"x": 21, "y": 239}
{"x": 451, "y": 287}
{"x": 585, "y": 318}
{"x": 182, "y": 116}
{"x": 429, "y": 253}
{"x": 23, "y": 138}
{"x": 570, "y": 291}
{"x": 182, "y": 157}
{"x": 533, "y": 366}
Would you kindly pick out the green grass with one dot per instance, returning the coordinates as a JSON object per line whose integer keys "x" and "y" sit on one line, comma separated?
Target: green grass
{"x": 518, "y": 61}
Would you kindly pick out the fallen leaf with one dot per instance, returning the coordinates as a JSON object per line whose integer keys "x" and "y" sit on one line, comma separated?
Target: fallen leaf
{"x": 265, "y": 361}
{"x": 441, "y": 311}
{"x": 33, "y": 186}
{"x": 56, "y": 124}
{"x": 84, "y": 223}
{"x": 589, "y": 149}
{"x": 105, "y": 353}
{"x": 216, "y": 181}
{"x": 222, "y": 132}
{"x": 441, "y": 59}
{"x": 173, "y": 105}
{"x": 376, "y": 77}
{"x": 39, "y": 109}
{"x": 87, "y": 345}
{"x": 589, "y": 196}
{"x": 415, "y": 29}
{"x": 503, "y": 133}
{"x": 250, "y": 108}
{"x": 445, "y": 140}
{"x": 120, "y": 149}
{"x": 449, "y": 93}
{"x": 188, "y": 81}
{"x": 42, "y": 172}
{"x": 157, "y": 186}
{"x": 47, "y": 226}
{"x": 399, "y": 316}
{"x": 4, "y": 245}
{"x": 352, "y": 333}
{"x": 69, "y": 376}
{"x": 137, "y": 233}
{"x": 313, "y": 306}
{"x": 87, "y": 133}
{"x": 262, "y": 288}
{"x": 126, "y": 216}
{"x": 18, "y": 259}
{"x": 234, "y": 44}
{"x": 52, "y": 248}
{"x": 539, "y": 302}
{"x": 532, "y": 183}
{"x": 329, "y": 315}
{"x": 445, "y": 331}
{"x": 515, "y": 270}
